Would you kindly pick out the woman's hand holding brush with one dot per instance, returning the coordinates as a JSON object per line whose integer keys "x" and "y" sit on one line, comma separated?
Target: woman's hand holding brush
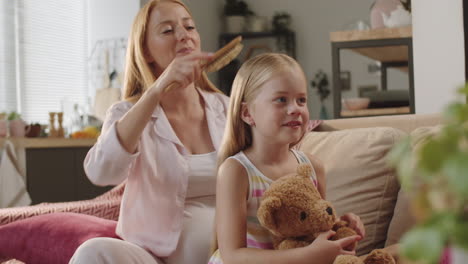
{"x": 210, "y": 63}
{"x": 182, "y": 71}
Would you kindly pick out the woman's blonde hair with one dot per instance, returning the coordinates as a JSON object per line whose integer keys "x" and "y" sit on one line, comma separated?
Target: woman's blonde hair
{"x": 138, "y": 73}
{"x": 251, "y": 76}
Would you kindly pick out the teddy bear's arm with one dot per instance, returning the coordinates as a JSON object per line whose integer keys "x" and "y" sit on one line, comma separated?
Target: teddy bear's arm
{"x": 292, "y": 243}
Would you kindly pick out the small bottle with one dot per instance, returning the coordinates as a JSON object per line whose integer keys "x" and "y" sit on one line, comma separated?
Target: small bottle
{"x": 76, "y": 123}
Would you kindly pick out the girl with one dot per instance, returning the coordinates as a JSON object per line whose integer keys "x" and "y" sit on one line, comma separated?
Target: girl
{"x": 267, "y": 116}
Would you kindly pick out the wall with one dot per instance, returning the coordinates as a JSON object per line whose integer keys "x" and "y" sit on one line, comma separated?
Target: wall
{"x": 109, "y": 19}
{"x": 439, "y": 55}
{"x": 207, "y": 17}
{"x": 313, "y": 21}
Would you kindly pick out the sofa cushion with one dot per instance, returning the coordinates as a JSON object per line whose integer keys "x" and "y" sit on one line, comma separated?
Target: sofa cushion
{"x": 359, "y": 179}
{"x": 402, "y": 219}
{"x": 51, "y": 238}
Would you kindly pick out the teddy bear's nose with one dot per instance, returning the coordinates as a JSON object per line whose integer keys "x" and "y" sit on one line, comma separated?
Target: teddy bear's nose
{"x": 329, "y": 210}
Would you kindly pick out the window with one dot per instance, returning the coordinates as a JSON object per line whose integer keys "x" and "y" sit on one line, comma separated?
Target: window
{"x": 7, "y": 57}
{"x": 48, "y": 70}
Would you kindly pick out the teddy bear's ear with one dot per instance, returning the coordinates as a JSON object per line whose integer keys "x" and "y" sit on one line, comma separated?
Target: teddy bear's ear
{"x": 304, "y": 170}
{"x": 266, "y": 212}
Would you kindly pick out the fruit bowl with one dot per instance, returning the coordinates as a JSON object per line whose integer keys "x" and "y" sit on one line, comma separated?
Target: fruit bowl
{"x": 356, "y": 103}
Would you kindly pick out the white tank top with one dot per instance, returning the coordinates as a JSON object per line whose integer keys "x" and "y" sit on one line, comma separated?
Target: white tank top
{"x": 202, "y": 175}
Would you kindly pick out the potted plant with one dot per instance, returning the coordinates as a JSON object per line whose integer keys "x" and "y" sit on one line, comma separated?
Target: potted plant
{"x": 17, "y": 125}
{"x": 281, "y": 22}
{"x": 434, "y": 171}
{"x": 320, "y": 82}
{"x": 235, "y": 12}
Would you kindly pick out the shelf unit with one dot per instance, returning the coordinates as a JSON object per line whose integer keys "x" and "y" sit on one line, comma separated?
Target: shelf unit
{"x": 393, "y": 47}
{"x": 285, "y": 41}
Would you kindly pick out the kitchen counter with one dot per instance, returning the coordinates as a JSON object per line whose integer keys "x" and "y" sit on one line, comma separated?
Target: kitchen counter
{"x": 30, "y": 143}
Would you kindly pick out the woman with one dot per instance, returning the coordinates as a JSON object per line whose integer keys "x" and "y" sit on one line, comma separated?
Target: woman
{"x": 163, "y": 143}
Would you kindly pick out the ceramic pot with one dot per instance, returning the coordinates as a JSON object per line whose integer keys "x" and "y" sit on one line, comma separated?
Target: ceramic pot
{"x": 235, "y": 24}
{"x": 398, "y": 18}
{"x": 380, "y": 7}
{"x": 256, "y": 24}
{"x": 18, "y": 128}
{"x": 34, "y": 130}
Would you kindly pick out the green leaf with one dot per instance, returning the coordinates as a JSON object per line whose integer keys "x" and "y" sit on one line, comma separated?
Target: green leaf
{"x": 456, "y": 169}
{"x": 399, "y": 150}
{"x": 423, "y": 243}
{"x": 460, "y": 236}
{"x": 463, "y": 90}
{"x": 432, "y": 153}
{"x": 401, "y": 157}
{"x": 13, "y": 116}
{"x": 456, "y": 113}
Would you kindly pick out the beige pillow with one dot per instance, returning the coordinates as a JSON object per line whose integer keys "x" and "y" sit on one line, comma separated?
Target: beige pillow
{"x": 359, "y": 179}
{"x": 402, "y": 219}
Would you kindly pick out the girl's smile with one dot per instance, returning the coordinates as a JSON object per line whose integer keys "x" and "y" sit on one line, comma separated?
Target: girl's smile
{"x": 296, "y": 124}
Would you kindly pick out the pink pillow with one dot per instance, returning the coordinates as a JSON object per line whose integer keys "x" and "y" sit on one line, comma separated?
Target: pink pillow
{"x": 51, "y": 238}
{"x": 313, "y": 124}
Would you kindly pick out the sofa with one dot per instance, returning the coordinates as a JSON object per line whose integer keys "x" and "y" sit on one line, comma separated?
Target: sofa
{"x": 359, "y": 179}
{"x": 358, "y": 176}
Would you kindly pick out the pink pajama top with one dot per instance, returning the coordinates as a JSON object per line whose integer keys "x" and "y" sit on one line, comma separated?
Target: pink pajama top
{"x": 152, "y": 208}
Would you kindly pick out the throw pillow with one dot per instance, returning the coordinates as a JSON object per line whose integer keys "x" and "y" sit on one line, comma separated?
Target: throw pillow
{"x": 51, "y": 238}
{"x": 359, "y": 179}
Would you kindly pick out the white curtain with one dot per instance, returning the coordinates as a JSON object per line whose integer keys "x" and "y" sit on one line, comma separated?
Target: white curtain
{"x": 7, "y": 57}
{"x": 44, "y": 53}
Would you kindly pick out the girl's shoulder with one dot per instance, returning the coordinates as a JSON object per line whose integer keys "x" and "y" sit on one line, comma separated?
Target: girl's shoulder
{"x": 317, "y": 164}
{"x": 232, "y": 171}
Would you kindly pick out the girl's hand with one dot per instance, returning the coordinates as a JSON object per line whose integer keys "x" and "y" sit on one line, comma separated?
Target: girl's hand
{"x": 355, "y": 223}
{"x": 330, "y": 249}
{"x": 183, "y": 70}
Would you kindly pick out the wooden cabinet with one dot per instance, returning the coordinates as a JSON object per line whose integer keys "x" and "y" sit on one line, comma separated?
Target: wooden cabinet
{"x": 54, "y": 168}
{"x": 57, "y": 175}
{"x": 391, "y": 46}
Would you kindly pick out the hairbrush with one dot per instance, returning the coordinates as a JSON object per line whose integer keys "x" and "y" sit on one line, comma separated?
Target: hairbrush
{"x": 221, "y": 58}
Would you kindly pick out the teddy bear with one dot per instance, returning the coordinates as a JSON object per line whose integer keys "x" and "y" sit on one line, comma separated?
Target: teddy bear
{"x": 295, "y": 214}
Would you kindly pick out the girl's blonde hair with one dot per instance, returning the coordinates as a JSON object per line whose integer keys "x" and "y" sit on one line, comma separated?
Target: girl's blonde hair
{"x": 138, "y": 73}
{"x": 249, "y": 79}
{"x": 251, "y": 76}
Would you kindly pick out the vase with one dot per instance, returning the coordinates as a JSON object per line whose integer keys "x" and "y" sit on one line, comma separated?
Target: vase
{"x": 18, "y": 128}
{"x": 235, "y": 24}
{"x": 380, "y": 7}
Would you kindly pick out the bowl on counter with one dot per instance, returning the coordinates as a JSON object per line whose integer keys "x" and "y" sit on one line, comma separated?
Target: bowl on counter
{"x": 355, "y": 103}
